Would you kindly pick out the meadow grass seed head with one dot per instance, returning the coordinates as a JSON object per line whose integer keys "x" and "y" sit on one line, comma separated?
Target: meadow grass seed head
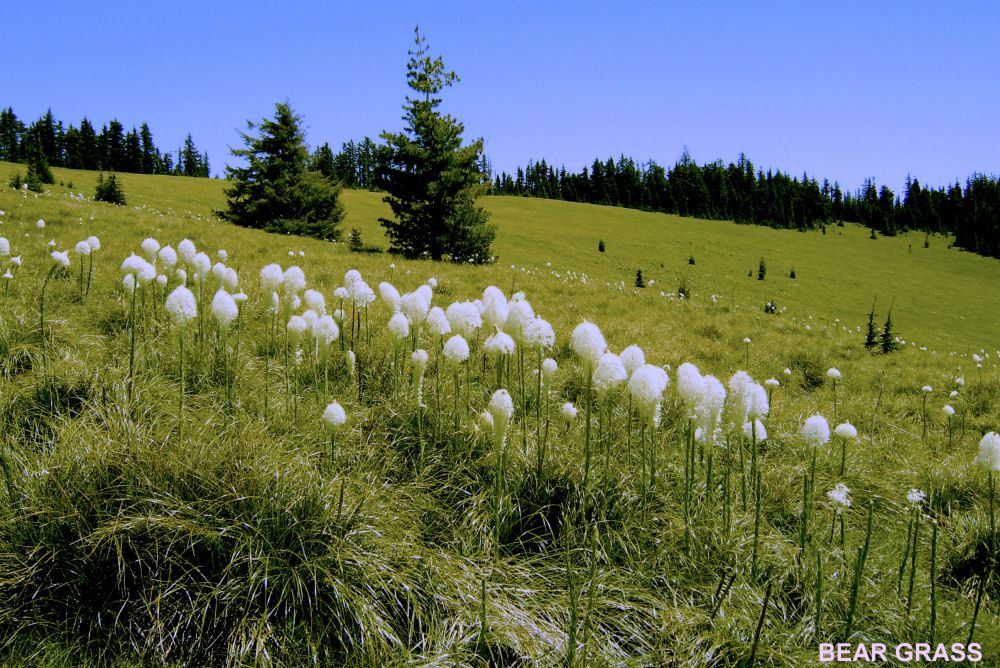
{"x": 456, "y": 349}
{"x": 437, "y": 322}
{"x": 647, "y": 385}
{"x": 499, "y": 343}
{"x": 988, "y": 457}
{"x": 519, "y": 315}
{"x": 167, "y": 258}
{"x": 609, "y": 373}
{"x": 427, "y": 294}
{"x": 202, "y": 264}
{"x": 271, "y": 278}
{"x": 414, "y": 307}
{"x": 363, "y": 294}
{"x": 738, "y": 399}
{"x": 314, "y": 300}
{"x": 840, "y": 495}
{"x": 181, "y": 306}
{"x": 539, "y": 335}
{"x": 133, "y": 264}
{"x": 495, "y": 310}
{"x": 493, "y": 292}
{"x": 633, "y": 358}
{"x": 219, "y": 274}
{"x": 325, "y": 330}
{"x": 816, "y": 431}
{"x": 147, "y": 273}
{"x": 757, "y": 405}
{"x": 231, "y": 282}
{"x": 60, "y": 258}
{"x": 948, "y": 410}
{"x": 711, "y": 404}
{"x": 749, "y": 433}
{"x": 399, "y": 326}
{"x": 351, "y": 278}
{"x": 334, "y": 417}
{"x": 690, "y": 384}
{"x": 501, "y": 409}
{"x": 224, "y": 309}
{"x": 549, "y": 369}
{"x": 846, "y": 431}
{"x": 186, "y": 250}
{"x": 293, "y": 281}
{"x": 149, "y": 247}
{"x": 81, "y": 248}
{"x": 464, "y": 318}
{"x": 296, "y": 329}
{"x": 390, "y": 295}
{"x": 310, "y": 316}
{"x": 588, "y": 342}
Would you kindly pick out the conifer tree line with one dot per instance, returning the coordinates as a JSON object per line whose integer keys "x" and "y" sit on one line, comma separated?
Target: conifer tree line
{"x": 740, "y": 192}
{"x": 110, "y": 149}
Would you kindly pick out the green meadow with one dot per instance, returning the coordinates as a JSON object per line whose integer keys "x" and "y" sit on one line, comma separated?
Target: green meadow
{"x": 237, "y": 532}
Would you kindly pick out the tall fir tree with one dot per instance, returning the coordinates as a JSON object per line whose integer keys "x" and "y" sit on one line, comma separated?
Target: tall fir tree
{"x": 276, "y": 192}
{"x": 432, "y": 180}
{"x": 871, "y": 336}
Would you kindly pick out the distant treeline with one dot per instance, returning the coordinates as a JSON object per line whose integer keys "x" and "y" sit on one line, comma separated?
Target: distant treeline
{"x": 744, "y": 194}
{"x": 111, "y": 149}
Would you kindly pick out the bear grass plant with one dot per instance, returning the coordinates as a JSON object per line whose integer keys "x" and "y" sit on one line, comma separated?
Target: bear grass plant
{"x": 241, "y": 541}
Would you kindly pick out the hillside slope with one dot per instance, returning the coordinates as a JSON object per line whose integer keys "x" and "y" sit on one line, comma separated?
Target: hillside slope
{"x": 943, "y": 298}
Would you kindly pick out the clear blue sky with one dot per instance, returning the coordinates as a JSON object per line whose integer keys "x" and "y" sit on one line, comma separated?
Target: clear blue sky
{"x": 841, "y": 90}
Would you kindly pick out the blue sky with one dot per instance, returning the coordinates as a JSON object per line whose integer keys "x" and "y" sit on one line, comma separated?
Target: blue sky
{"x": 840, "y": 90}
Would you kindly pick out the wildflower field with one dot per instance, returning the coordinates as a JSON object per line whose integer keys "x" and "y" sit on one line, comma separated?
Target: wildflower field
{"x": 223, "y": 447}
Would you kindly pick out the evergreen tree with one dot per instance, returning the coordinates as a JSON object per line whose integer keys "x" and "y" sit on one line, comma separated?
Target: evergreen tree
{"x": 323, "y": 163}
{"x": 761, "y": 270}
{"x": 432, "y": 180}
{"x": 11, "y": 130}
{"x": 150, "y": 156}
{"x": 888, "y": 338}
{"x": 276, "y": 192}
{"x": 108, "y": 190}
{"x": 639, "y": 283}
{"x": 871, "y": 336}
{"x": 133, "y": 153}
{"x": 89, "y": 153}
{"x": 189, "y": 157}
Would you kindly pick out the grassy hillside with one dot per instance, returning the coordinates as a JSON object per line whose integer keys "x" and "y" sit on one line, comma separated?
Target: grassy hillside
{"x": 941, "y": 294}
{"x": 238, "y": 531}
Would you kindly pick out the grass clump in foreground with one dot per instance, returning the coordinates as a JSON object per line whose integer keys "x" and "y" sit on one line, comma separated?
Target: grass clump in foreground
{"x": 238, "y": 531}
